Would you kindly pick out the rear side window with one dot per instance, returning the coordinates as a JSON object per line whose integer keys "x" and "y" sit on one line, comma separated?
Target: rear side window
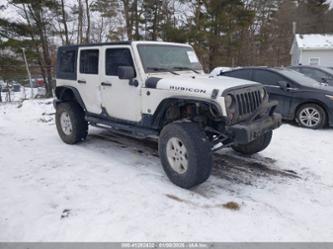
{"x": 115, "y": 58}
{"x": 241, "y": 74}
{"x": 66, "y": 63}
{"x": 89, "y": 61}
{"x": 267, "y": 77}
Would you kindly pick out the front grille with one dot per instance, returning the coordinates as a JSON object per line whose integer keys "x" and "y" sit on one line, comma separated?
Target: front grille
{"x": 248, "y": 102}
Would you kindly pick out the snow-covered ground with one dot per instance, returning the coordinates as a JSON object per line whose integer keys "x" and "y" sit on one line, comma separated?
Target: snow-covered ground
{"x": 112, "y": 188}
{"x": 24, "y": 93}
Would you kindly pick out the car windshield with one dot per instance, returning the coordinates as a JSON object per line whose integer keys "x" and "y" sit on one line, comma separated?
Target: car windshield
{"x": 297, "y": 77}
{"x": 328, "y": 70}
{"x": 168, "y": 58}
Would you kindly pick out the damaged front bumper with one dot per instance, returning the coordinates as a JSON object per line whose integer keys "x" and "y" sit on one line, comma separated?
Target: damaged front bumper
{"x": 262, "y": 122}
{"x": 246, "y": 133}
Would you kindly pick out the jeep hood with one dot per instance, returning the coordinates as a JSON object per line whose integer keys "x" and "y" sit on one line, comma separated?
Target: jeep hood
{"x": 198, "y": 83}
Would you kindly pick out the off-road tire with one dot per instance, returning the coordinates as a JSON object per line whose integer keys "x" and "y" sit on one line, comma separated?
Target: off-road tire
{"x": 255, "y": 146}
{"x": 199, "y": 153}
{"x": 322, "y": 116}
{"x": 78, "y": 122}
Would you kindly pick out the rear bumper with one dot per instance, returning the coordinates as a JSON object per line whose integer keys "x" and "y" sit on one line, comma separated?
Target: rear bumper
{"x": 244, "y": 133}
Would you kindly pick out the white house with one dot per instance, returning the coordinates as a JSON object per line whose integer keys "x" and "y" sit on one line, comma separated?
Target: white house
{"x": 312, "y": 49}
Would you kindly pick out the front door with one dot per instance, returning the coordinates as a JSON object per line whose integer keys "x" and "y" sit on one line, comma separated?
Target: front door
{"x": 88, "y": 82}
{"x": 271, "y": 81}
{"x": 120, "y": 99}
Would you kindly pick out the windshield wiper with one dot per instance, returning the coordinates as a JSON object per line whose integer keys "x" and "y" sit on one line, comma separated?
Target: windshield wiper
{"x": 186, "y": 68}
{"x": 162, "y": 69}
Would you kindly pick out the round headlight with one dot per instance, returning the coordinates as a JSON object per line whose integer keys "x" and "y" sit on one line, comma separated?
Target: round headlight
{"x": 262, "y": 93}
{"x": 228, "y": 101}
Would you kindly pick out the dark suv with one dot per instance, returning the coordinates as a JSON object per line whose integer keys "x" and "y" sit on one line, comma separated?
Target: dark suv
{"x": 300, "y": 98}
{"x": 320, "y": 74}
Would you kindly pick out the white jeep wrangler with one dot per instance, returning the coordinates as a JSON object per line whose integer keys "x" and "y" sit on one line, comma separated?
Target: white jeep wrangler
{"x": 158, "y": 90}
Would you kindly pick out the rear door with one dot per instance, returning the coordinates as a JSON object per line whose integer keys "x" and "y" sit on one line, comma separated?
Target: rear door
{"x": 88, "y": 82}
{"x": 271, "y": 81}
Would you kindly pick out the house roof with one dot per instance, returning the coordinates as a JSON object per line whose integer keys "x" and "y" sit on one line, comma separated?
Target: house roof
{"x": 314, "y": 41}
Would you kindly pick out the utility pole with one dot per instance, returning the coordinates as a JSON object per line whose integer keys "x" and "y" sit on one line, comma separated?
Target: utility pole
{"x": 294, "y": 28}
{"x": 28, "y": 71}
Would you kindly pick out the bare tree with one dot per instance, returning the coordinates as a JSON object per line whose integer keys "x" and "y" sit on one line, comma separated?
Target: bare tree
{"x": 64, "y": 21}
{"x": 88, "y": 21}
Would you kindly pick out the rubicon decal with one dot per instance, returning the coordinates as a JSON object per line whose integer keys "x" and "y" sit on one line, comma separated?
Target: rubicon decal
{"x": 187, "y": 89}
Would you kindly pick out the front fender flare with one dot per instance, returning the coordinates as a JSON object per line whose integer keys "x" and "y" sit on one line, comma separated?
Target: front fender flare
{"x": 160, "y": 111}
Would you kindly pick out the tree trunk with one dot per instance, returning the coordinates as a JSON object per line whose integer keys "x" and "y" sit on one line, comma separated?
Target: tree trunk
{"x": 80, "y": 23}
{"x": 127, "y": 19}
{"x": 100, "y": 34}
{"x": 37, "y": 13}
{"x": 88, "y": 21}
{"x": 136, "y": 19}
{"x": 155, "y": 21}
{"x": 64, "y": 21}
{"x": 36, "y": 47}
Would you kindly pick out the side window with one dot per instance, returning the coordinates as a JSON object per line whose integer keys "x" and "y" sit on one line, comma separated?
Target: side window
{"x": 67, "y": 61}
{"x": 241, "y": 74}
{"x": 267, "y": 77}
{"x": 116, "y": 57}
{"x": 89, "y": 61}
{"x": 315, "y": 74}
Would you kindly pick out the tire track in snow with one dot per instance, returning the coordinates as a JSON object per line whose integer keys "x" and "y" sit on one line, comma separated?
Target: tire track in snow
{"x": 228, "y": 165}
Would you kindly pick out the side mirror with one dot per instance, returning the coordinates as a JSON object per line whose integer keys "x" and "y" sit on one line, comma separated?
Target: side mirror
{"x": 324, "y": 80}
{"x": 126, "y": 72}
{"x": 284, "y": 85}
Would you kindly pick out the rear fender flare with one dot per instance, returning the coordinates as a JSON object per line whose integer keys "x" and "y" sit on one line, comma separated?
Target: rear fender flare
{"x": 68, "y": 93}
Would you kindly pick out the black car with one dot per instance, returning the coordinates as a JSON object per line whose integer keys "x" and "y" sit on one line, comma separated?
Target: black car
{"x": 320, "y": 74}
{"x": 300, "y": 98}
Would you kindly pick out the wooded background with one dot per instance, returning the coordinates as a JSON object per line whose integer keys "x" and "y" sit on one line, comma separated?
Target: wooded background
{"x": 223, "y": 32}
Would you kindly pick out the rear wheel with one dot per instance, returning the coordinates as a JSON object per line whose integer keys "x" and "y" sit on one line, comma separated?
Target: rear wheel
{"x": 185, "y": 153}
{"x": 71, "y": 124}
{"x": 255, "y": 146}
{"x": 311, "y": 116}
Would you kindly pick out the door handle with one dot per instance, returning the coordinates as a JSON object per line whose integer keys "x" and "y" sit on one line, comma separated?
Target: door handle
{"x": 106, "y": 84}
{"x": 133, "y": 82}
{"x": 81, "y": 81}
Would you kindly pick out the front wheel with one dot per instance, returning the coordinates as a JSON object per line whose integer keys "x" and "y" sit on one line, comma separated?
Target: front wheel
{"x": 255, "y": 146}
{"x": 185, "y": 153}
{"x": 311, "y": 116}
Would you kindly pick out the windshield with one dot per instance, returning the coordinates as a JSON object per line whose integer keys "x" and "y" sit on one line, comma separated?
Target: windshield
{"x": 166, "y": 58}
{"x": 297, "y": 77}
{"x": 328, "y": 70}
